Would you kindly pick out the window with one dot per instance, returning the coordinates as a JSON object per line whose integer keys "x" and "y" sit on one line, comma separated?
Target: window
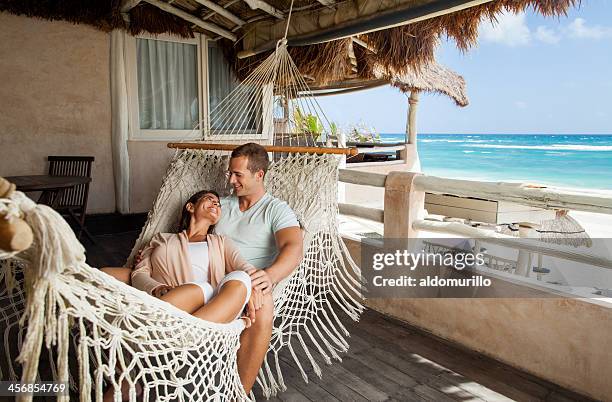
{"x": 166, "y": 98}
{"x": 168, "y": 101}
{"x": 167, "y": 85}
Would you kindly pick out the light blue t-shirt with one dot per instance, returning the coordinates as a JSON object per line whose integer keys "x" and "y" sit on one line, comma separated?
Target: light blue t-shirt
{"x": 253, "y": 230}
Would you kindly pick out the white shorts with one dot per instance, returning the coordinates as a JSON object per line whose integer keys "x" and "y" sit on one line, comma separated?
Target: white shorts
{"x": 241, "y": 276}
{"x": 207, "y": 290}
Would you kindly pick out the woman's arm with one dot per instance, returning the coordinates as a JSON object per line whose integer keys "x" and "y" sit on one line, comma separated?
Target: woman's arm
{"x": 141, "y": 275}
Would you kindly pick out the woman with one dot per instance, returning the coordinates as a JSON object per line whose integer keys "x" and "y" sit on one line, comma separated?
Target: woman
{"x": 195, "y": 270}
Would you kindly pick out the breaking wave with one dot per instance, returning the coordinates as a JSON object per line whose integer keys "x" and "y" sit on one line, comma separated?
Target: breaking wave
{"x": 553, "y": 147}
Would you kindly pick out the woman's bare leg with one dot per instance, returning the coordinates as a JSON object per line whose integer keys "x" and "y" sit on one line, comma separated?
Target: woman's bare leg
{"x": 188, "y": 297}
{"x": 122, "y": 274}
{"x": 226, "y": 305}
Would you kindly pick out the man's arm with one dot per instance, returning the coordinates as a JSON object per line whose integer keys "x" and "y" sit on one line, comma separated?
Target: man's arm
{"x": 289, "y": 242}
{"x": 290, "y": 246}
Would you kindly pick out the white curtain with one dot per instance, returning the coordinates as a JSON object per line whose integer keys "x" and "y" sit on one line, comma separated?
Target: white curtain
{"x": 120, "y": 120}
{"x": 167, "y": 85}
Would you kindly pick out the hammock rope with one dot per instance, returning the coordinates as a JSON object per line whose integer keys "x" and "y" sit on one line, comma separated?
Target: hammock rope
{"x": 121, "y": 333}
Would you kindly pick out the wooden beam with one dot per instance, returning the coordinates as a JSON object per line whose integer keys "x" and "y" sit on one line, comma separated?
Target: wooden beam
{"x": 269, "y": 148}
{"x": 364, "y": 44}
{"x": 345, "y": 91}
{"x": 362, "y": 178}
{"x": 352, "y": 57}
{"x": 222, "y": 12}
{"x": 127, "y": 5}
{"x": 262, "y": 5}
{"x": 327, "y": 3}
{"x": 348, "y": 84}
{"x": 373, "y": 214}
{"x": 193, "y": 19}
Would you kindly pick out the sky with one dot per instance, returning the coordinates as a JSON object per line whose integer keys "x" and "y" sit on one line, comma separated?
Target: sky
{"x": 528, "y": 74}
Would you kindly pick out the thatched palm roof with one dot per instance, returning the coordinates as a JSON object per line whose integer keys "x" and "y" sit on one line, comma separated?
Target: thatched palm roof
{"x": 397, "y": 49}
{"x": 431, "y": 77}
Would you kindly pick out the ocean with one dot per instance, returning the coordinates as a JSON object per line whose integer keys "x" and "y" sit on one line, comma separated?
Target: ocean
{"x": 560, "y": 160}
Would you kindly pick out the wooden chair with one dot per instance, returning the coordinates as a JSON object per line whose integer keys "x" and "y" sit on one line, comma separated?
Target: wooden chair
{"x": 73, "y": 201}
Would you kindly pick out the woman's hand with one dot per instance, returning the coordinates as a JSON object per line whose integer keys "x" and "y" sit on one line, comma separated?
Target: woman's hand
{"x": 161, "y": 290}
{"x": 260, "y": 280}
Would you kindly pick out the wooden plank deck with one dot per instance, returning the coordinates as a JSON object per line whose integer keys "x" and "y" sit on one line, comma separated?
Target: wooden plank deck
{"x": 387, "y": 361}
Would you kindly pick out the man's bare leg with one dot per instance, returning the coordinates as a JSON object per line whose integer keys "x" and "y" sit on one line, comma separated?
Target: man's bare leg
{"x": 254, "y": 344}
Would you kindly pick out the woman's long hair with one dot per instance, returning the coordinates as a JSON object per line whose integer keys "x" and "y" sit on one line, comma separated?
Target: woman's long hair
{"x": 186, "y": 215}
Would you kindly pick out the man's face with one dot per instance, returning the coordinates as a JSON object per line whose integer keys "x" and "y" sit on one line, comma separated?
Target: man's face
{"x": 241, "y": 178}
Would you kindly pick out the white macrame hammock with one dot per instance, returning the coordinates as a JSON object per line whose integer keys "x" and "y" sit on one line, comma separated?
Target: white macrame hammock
{"x": 100, "y": 332}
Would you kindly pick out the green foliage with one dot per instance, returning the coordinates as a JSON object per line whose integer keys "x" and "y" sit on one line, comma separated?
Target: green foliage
{"x": 310, "y": 124}
{"x": 307, "y": 123}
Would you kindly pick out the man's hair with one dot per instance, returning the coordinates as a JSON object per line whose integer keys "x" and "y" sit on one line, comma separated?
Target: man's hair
{"x": 256, "y": 155}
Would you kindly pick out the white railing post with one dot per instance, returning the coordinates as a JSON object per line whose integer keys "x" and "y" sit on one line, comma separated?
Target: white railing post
{"x": 404, "y": 204}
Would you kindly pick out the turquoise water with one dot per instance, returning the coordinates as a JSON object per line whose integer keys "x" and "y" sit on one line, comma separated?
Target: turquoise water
{"x": 561, "y": 160}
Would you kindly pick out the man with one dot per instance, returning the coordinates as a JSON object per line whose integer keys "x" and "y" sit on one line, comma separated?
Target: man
{"x": 268, "y": 235}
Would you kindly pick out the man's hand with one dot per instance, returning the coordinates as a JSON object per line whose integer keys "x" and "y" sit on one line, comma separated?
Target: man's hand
{"x": 161, "y": 290}
{"x": 260, "y": 280}
{"x": 254, "y": 304}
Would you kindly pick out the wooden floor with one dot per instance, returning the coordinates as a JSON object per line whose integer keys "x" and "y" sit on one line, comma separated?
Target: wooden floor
{"x": 387, "y": 361}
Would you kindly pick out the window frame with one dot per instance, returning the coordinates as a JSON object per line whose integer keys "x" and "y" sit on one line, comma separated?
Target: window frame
{"x": 140, "y": 134}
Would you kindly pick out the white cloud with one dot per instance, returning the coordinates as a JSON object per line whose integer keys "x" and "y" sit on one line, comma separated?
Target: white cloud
{"x": 579, "y": 29}
{"x": 547, "y": 35}
{"x": 510, "y": 29}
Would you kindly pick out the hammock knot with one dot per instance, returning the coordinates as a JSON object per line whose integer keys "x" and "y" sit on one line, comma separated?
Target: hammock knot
{"x": 281, "y": 43}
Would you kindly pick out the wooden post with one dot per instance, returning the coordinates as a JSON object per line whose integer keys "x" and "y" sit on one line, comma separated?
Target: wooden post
{"x": 411, "y": 129}
{"x": 410, "y": 154}
{"x": 524, "y": 260}
{"x": 404, "y": 204}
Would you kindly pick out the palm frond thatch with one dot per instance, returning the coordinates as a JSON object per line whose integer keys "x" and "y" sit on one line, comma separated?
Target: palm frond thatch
{"x": 431, "y": 77}
{"x": 564, "y": 230}
{"x": 398, "y": 49}
{"x": 149, "y": 19}
{"x": 103, "y": 15}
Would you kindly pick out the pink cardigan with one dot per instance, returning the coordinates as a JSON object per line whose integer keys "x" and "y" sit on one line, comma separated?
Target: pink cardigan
{"x": 165, "y": 261}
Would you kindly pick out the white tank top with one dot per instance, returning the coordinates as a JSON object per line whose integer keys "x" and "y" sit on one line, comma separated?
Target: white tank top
{"x": 198, "y": 254}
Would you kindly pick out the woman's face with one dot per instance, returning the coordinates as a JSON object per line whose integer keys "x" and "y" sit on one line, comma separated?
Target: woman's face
{"x": 208, "y": 208}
